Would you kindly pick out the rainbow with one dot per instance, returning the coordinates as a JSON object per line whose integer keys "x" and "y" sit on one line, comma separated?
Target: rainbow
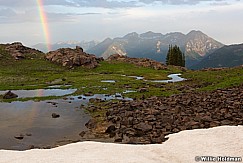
{"x": 44, "y": 23}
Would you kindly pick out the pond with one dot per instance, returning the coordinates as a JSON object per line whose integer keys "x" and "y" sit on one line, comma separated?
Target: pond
{"x": 33, "y": 120}
{"x": 174, "y": 78}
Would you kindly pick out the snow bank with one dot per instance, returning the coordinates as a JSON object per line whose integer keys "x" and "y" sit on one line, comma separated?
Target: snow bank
{"x": 181, "y": 147}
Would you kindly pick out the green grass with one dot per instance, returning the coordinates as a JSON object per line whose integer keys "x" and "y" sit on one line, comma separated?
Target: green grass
{"x": 211, "y": 80}
{"x": 35, "y": 72}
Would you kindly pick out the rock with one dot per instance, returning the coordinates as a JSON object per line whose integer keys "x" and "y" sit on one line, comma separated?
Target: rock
{"x": 142, "y": 90}
{"x": 149, "y": 120}
{"x": 142, "y": 62}
{"x": 19, "y": 137}
{"x": 117, "y": 138}
{"x": 110, "y": 129}
{"x": 54, "y": 115}
{"x": 18, "y": 51}
{"x": 73, "y": 57}
{"x": 91, "y": 124}
{"x": 89, "y": 94}
{"x": 225, "y": 122}
{"x": 144, "y": 127}
{"x": 82, "y": 133}
{"x": 207, "y": 118}
{"x": 9, "y": 95}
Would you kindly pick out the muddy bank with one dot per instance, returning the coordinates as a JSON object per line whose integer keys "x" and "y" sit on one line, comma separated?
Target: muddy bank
{"x": 150, "y": 120}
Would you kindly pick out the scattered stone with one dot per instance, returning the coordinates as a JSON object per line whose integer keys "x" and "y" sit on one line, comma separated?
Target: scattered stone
{"x": 54, "y": 115}
{"x": 144, "y": 121}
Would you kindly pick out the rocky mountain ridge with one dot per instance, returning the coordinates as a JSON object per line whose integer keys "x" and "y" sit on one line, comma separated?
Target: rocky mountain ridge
{"x": 227, "y": 56}
{"x": 196, "y": 45}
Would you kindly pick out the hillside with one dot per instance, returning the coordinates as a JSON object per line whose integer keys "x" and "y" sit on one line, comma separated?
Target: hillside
{"x": 196, "y": 45}
{"x": 227, "y": 56}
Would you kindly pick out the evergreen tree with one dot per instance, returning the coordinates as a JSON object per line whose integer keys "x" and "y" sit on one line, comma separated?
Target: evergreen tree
{"x": 175, "y": 56}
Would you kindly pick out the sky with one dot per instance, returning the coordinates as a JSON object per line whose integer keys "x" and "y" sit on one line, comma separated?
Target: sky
{"x": 20, "y": 20}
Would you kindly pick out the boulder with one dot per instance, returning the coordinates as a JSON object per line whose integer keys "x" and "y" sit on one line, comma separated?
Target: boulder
{"x": 54, "y": 115}
{"x": 18, "y": 51}
{"x": 73, "y": 57}
{"x": 9, "y": 95}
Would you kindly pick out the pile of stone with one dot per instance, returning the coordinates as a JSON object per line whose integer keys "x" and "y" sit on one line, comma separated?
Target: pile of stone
{"x": 73, "y": 57}
{"x": 143, "y": 62}
{"x": 150, "y": 120}
{"x": 19, "y": 51}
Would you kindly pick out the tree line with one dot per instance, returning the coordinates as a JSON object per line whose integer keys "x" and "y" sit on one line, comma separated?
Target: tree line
{"x": 175, "y": 56}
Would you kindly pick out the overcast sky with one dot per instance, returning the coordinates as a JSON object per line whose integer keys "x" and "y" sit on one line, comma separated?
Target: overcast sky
{"x": 97, "y": 19}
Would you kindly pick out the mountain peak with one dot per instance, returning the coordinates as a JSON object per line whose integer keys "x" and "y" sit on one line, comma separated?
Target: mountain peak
{"x": 131, "y": 35}
{"x": 195, "y": 32}
{"x": 151, "y": 35}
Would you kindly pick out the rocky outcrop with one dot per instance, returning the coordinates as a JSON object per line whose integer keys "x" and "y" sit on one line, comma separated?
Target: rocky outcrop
{"x": 73, "y": 57}
{"x": 143, "y": 62}
{"x": 9, "y": 95}
{"x": 19, "y": 51}
{"x": 150, "y": 120}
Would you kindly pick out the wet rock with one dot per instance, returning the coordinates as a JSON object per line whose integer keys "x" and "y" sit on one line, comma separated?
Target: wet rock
{"x": 55, "y": 115}
{"x": 19, "y": 137}
{"x": 82, "y": 133}
{"x": 9, "y": 95}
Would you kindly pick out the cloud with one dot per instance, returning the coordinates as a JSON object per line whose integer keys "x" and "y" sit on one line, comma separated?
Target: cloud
{"x": 72, "y": 3}
{"x": 7, "y": 12}
{"x": 184, "y": 2}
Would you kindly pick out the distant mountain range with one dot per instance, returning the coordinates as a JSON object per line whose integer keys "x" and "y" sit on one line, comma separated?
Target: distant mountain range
{"x": 68, "y": 44}
{"x": 227, "y": 56}
{"x": 196, "y": 45}
{"x": 200, "y": 50}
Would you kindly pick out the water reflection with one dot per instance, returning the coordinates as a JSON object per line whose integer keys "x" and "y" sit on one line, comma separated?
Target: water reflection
{"x": 174, "y": 78}
{"x": 41, "y": 92}
{"x": 35, "y": 118}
